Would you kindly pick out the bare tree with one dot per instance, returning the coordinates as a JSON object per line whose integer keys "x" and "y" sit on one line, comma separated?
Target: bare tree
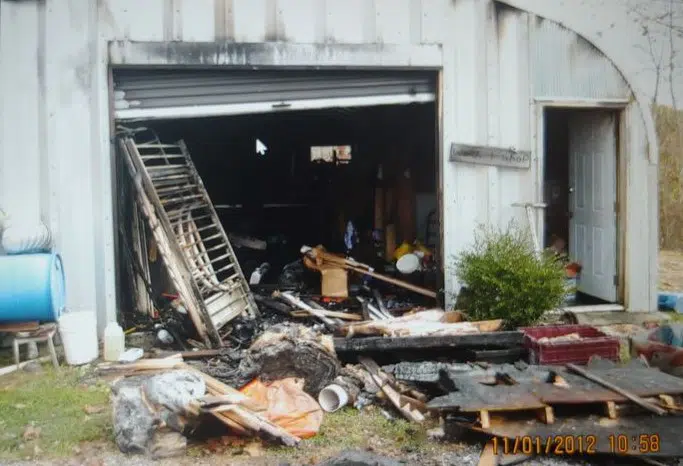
{"x": 661, "y": 23}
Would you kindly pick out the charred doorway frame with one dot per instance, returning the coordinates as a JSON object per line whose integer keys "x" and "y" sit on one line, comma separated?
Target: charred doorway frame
{"x": 234, "y": 56}
{"x": 619, "y": 106}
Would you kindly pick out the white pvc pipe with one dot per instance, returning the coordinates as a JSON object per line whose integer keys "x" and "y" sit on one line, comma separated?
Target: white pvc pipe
{"x": 332, "y": 398}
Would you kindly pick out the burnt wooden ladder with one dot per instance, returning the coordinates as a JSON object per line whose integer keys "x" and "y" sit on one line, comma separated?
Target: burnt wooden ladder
{"x": 198, "y": 243}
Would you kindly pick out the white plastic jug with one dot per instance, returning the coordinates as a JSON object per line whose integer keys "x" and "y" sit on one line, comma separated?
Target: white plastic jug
{"x": 114, "y": 342}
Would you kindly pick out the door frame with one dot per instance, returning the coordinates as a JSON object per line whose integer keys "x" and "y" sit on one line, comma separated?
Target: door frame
{"x": 619, "y": 107}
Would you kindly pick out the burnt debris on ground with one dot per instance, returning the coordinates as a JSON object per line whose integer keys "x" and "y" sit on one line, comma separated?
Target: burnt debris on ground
{"x": 259, "y": 337}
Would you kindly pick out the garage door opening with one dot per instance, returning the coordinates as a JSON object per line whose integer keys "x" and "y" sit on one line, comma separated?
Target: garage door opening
{"x": 358, "y": 180}
{"x": 580, "y": 181}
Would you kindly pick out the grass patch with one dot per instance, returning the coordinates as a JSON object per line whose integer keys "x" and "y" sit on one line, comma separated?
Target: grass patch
{"x": 348, "y": 428}
{"x": 53, "y": 401}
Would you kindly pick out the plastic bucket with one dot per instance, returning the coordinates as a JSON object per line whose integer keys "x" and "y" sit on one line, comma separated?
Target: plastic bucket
{"x": 78, "y": 331}
{"x": 408, "y": 263}
{"x": 31, "y": 288}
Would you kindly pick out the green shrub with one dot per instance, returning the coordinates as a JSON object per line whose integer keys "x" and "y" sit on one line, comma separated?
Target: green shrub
{"x": 504, "y": 279}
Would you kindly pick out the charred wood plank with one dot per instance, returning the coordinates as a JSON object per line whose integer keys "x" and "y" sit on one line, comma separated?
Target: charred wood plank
{"x": 490, "y": 340}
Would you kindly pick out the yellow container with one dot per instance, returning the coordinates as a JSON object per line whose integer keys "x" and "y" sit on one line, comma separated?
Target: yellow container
{"x": 402, "y": 250}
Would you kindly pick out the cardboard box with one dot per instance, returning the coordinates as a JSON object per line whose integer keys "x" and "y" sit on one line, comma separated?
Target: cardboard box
{"x": 334, "y": 283}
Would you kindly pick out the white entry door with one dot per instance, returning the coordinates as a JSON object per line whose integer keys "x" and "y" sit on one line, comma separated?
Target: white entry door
{"x": 592, "y": 204}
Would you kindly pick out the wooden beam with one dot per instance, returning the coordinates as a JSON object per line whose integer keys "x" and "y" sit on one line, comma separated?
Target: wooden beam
{"x": 14, "y": 367}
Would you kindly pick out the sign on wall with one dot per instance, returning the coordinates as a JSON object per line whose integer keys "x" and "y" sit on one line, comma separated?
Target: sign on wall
{"x": 487, "y": 155}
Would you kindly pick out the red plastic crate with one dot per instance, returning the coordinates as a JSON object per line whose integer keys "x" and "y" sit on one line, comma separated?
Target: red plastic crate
{"x": 594, "y": 342}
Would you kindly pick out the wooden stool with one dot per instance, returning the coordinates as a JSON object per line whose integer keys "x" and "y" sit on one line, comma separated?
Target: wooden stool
{"x": 43, "y": 334}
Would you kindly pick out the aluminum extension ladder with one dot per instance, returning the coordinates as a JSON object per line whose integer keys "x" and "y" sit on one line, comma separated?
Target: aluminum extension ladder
{"x": 189, "y": 234}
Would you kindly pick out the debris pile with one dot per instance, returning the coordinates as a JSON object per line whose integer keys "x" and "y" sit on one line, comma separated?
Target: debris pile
{"x": 269, "y": 356}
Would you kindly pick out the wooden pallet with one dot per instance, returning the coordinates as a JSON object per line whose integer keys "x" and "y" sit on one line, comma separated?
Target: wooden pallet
{"x": 546, "y": 414}
{"x": 484, "y": 395}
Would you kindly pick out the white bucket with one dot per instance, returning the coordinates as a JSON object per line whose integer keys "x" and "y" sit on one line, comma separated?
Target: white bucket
{"x": 78, "y": 331}
{"x": 332, "y": 398}
{"x": 408, "y": 263}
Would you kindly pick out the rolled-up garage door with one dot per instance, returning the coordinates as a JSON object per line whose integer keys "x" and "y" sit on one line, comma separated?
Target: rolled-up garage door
{"x": 157, "y": 93}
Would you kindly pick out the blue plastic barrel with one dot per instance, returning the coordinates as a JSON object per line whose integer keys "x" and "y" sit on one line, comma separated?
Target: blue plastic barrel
{"x": 31, "y": 288}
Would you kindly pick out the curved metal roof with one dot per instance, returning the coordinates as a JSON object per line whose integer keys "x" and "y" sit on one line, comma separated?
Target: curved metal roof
{"x": 575, "y": 20}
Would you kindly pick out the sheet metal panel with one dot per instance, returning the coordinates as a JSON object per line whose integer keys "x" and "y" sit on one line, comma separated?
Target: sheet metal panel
{"x": 566, "y": 65}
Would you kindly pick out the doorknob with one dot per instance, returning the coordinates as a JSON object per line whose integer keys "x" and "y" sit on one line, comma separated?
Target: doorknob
{"x": 571, "y": 190}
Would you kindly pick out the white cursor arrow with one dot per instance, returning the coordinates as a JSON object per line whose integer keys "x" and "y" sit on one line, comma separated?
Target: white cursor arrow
{"x": 260, "y": 147}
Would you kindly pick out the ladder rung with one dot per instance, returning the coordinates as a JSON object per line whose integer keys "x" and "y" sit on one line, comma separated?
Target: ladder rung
{"x": 217, "y": 259}
{"x": 185, "y": 210}
{"x": 167, "y": 166}
{"x": 170, "y": 177}
{"x": 181, "y": 199}
{"x": 170, "y": 189}
{"x": 213, "y": 288}
{"x": 160, "y": 156}
{"x": 194, "y": 219}
{"x": 217, "y": 247}
{"x": 224, "y": 268}
{"x": 231, "y": 277}
{"x": 208, "y": 227}
{"x": 156, "y": 146}
{"x": 202, "y": 240}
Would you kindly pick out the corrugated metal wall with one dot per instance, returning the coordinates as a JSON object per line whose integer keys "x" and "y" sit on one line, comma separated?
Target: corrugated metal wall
{"x": 54, "y": 123}
{"x": 580, "y": 70}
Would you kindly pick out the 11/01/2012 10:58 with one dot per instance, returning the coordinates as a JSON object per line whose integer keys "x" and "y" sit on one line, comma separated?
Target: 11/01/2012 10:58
{"x": 575, "y": 444}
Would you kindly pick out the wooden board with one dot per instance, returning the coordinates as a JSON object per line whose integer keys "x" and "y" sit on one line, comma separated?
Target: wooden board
{"x": 643, "y": 382}
{"x": 18, "y": 327}
{"x": 472, "y": 396}
{"x": 486, "y": 155}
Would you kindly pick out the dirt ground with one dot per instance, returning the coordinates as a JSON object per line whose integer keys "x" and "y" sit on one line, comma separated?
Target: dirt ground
{"x": 671, "y": 270}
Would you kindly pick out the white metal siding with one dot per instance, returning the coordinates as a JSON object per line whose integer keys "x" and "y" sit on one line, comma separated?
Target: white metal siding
{"x": 54, "y": 124}
{"x": 565, "y": 64}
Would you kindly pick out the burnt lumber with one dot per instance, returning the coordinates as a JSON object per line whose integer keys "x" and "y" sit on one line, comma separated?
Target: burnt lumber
{"x": 466, "y": 341}
{"x": 409, "y": 408}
